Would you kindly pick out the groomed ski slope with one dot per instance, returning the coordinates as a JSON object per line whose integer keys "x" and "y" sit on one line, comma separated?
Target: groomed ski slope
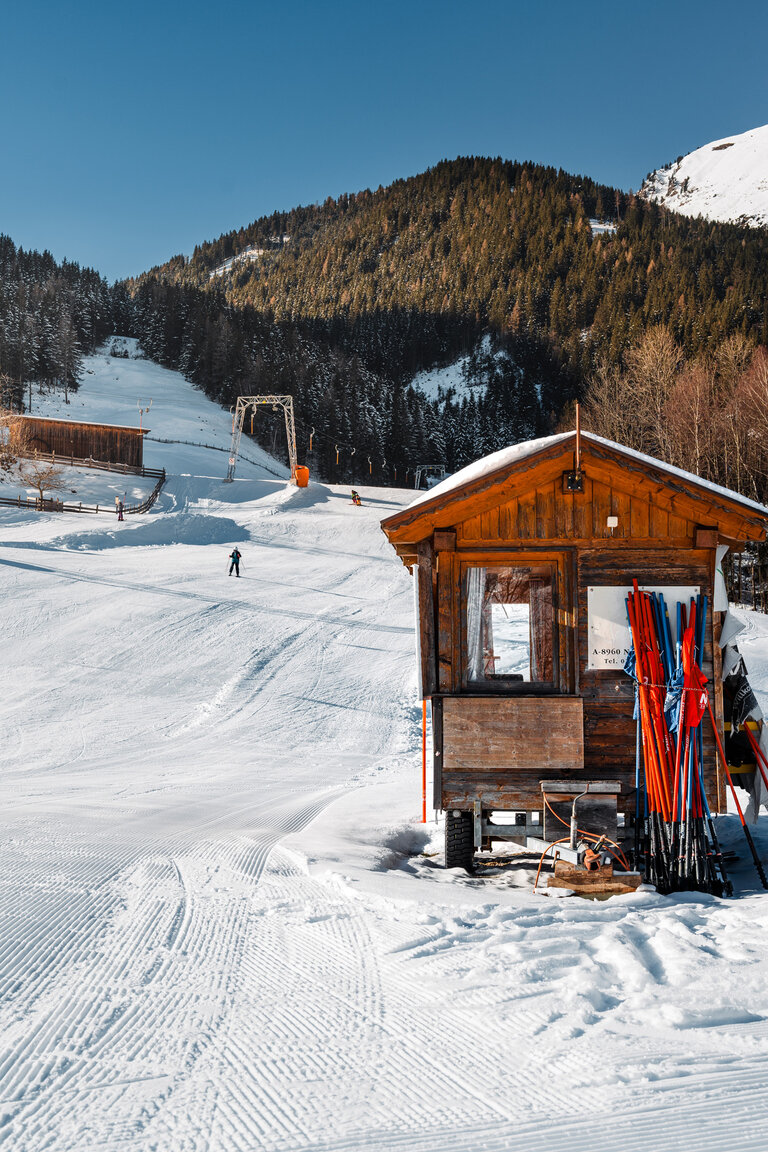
{"x": 222, "y": 926}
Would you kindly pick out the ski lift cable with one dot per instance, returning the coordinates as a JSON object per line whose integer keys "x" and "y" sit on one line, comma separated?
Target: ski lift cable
{"x": 340, "y": 445}
{"x": 329, "y": 438}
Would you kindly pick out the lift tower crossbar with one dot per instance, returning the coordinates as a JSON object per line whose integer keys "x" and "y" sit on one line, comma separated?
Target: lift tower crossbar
{"x": 238, "y": 419}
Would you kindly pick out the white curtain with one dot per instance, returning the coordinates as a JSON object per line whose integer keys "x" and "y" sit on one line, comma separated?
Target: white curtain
{"x": 475, "y": 601}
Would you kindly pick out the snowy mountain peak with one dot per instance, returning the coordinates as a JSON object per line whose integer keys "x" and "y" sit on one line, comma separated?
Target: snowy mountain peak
{"x": 726, "y": 180}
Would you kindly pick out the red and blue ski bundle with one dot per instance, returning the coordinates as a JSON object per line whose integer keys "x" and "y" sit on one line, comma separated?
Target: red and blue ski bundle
{"x": 675, "y": 834}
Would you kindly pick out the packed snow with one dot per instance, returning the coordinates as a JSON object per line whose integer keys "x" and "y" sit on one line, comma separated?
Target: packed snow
{"x": 726, "y": 180}
{"x": 225, "y": 927}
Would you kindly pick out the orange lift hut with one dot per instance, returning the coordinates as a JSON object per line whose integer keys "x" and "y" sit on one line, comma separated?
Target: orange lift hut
{"x": 523, "y": 563}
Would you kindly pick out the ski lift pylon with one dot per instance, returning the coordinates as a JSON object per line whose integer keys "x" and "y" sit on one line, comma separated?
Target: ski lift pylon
{"x": 238, "y": 419}
{"x": 434, "y": 472}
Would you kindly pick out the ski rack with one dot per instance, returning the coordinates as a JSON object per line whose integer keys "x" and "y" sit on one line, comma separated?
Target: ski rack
{"x": 238, "y": 419}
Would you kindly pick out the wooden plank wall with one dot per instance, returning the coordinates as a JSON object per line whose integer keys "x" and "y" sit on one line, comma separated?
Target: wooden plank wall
{"x": 99, "y": 441}
{"x": 550, "y": 514}
{"x": 427, "y": 638}
{"x": 650, "y": 543}
{"x": 500, "y": 748}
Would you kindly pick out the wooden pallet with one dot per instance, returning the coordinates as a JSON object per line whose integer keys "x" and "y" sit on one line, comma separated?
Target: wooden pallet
{"x": 601, "y": 882}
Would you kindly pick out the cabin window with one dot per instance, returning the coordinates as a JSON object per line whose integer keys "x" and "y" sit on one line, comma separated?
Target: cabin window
{"x": 508, "y": 628}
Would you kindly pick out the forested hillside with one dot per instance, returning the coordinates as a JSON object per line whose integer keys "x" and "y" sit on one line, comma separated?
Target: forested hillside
{"x": 503, "y": 245}
{"x": 50, "y": 316}
{"x": 547, "y": 284}
{"x": 344, "y": 302}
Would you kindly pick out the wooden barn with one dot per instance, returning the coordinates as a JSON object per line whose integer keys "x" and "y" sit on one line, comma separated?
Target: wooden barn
{"x": 524, "y": 560}
{"x": 113, "y": 443}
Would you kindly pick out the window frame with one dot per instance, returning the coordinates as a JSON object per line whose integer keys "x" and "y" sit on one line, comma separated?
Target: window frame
{"x": 506, "y": 686}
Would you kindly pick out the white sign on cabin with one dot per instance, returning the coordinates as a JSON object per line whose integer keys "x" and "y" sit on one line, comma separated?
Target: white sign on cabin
{"x": 608, "y": 635}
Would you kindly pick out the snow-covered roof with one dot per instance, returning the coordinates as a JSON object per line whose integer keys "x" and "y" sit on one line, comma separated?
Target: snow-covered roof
{"x": 515, "y": 453}
{"x": 487, "y": 465}
{"x": 84, "y": 423}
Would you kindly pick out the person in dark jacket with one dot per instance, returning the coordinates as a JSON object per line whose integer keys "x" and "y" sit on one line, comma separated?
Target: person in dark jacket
{"x": 235, "y": 558}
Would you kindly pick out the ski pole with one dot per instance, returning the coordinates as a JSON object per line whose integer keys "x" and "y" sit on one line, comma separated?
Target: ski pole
{"x": 652, "y": 678}
{"x": 717, "y": 855}
{"x": 653, "y": 773}
{"x": 760, "y": 759}
{"x": 747, "y": 833}
{"x": 637, "y": 784}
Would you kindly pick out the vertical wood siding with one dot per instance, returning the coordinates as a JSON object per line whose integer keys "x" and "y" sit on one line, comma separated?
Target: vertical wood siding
{"x": 99, "y": 441}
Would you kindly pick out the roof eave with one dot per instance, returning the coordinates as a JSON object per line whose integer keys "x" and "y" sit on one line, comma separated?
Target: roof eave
{"x": 741, "y": 518}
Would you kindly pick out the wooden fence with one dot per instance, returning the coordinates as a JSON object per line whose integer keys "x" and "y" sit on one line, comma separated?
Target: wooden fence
{"x": 49, "y": 504}
{"x": 89, "y": 462}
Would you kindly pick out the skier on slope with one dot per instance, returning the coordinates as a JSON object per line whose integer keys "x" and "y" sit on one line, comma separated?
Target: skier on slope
{"x": 356, "y": 498}
{"x": 235, "y": 558}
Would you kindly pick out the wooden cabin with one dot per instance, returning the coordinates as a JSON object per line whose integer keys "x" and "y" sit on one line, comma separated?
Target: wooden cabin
{"x": 524, "y": 560}
{"x": 81, "y": 440}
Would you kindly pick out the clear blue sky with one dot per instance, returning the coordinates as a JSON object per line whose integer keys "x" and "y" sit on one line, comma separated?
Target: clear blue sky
{"x": 131, "y": 132}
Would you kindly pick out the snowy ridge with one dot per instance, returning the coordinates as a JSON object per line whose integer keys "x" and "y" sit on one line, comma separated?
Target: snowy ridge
{"x": 244, "y": 257}
{"x": 726, "y": 180}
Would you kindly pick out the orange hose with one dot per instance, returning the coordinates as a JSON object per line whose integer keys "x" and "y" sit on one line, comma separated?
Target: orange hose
{"x": 591, "y": 836}
{"x": 541, "y": 861}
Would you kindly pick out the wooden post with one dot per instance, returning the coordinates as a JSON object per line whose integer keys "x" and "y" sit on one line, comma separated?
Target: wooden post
{"x": 577, "y": 460}
{"x": 427, "y": 638}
